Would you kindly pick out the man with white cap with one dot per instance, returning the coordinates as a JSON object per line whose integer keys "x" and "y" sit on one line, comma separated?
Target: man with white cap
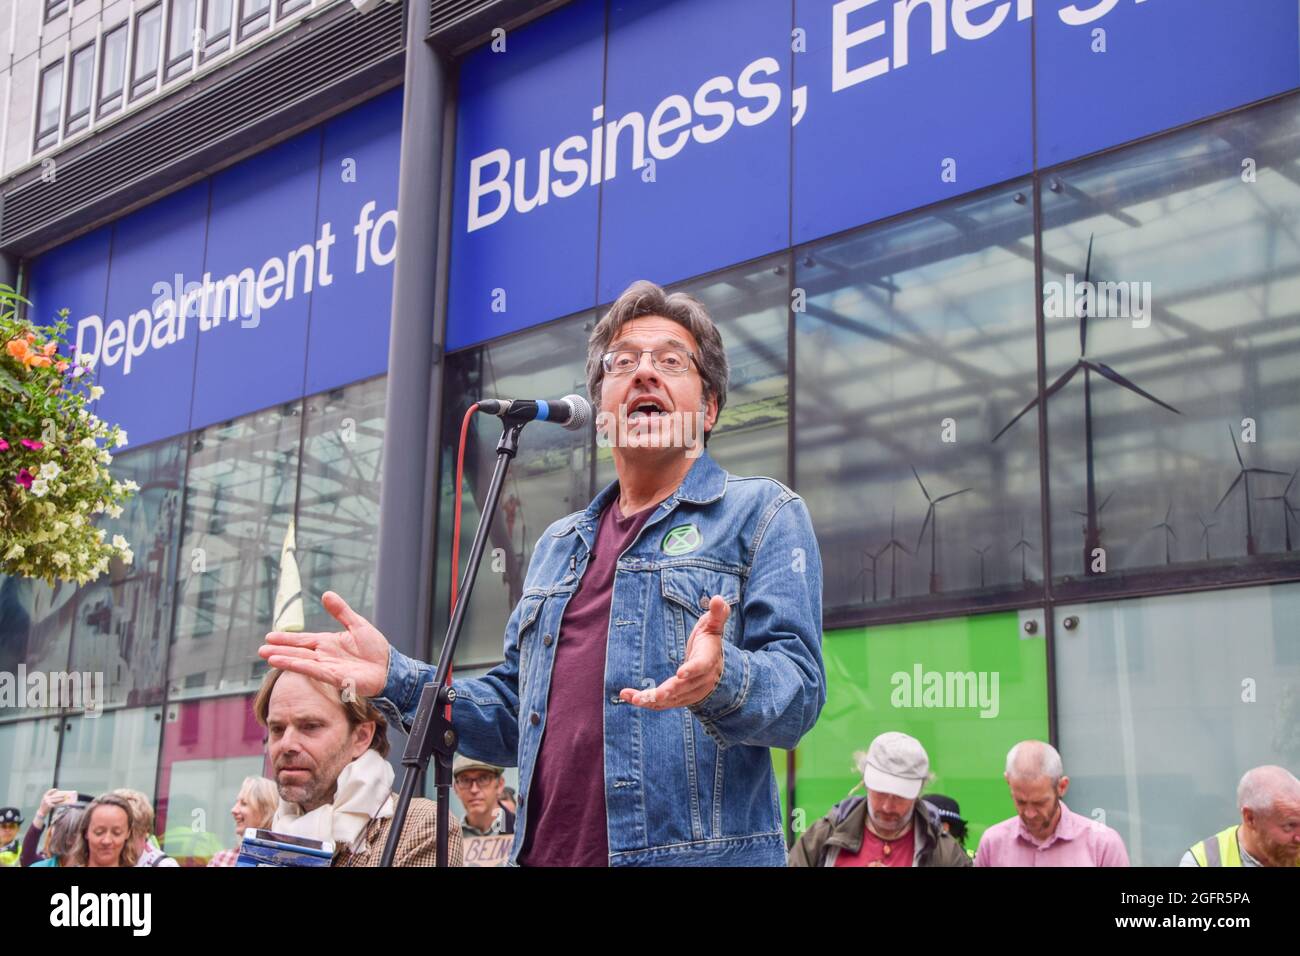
{"x": 888, "y": 827}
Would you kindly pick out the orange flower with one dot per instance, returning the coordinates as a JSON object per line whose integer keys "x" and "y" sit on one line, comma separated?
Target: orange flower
{"x": 49, "y": 348}
{"x": 60, "y": 366}
{"x": 40, "y": 361}
{"x": 18, "y": 349}
{"x": 31, "y": 337}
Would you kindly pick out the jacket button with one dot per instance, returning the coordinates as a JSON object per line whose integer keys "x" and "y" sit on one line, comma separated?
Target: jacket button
{"x": 535, "y": 718}
{"x": 704, "y": 601}
{"x": 548, "y": 640}
{"x": 616, "y": 699}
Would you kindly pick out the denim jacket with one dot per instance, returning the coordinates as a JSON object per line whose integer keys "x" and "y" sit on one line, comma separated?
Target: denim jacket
{"x": 687, "y": 786}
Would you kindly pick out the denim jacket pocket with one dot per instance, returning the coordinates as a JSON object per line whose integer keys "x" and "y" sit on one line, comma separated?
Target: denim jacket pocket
{"x": 687, "y": 590}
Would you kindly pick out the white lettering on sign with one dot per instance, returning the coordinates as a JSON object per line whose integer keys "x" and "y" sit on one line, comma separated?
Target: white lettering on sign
{"x": 243, "y": 294}
{"x": 869, "y": 38}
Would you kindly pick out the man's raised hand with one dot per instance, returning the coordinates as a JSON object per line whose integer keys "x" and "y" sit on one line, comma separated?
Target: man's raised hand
{"x": 357, "y": 656}
{"x": 699, "y": 674}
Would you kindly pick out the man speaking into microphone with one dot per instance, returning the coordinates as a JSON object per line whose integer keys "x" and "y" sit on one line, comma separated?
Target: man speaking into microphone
{"x": 667, "y": 636}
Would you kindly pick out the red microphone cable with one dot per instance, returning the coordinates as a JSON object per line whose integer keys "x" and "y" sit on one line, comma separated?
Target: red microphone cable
{"x": 455, "y": 528}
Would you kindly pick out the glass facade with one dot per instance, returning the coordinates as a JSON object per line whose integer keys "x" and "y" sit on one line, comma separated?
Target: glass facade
{"x": 1048, "y": 432}
{"x": 894, "y": 374}
{"x": 172, "y": 638}
{"x": 1165, "y": 701}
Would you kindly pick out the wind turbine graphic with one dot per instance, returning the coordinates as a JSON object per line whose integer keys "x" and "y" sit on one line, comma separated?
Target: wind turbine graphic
{"x": 1243, "y": 477}
{"x": 1100, "y": 508}
{"x": 981, "y": 552}
{"x": 1024, "y": 547}
{"x": 931, "y": 513}
{"x": 1168, "y": 530}
{"x": 893, "y": 546}
{"x": 1092, "y": 531}
{"x": 1288, "y": 509}
{"x": 862, "y": 575}
{"x": 1205, "y": 534}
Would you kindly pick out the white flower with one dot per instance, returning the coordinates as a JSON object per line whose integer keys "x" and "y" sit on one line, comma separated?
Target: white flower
{"x": 39, "y": 487}
{"x": 128, "y": 556}
{"x": 88, "y": 442}
{"x": 99, "y": 507}
{"x": 96, "y": 391}
{"x": 77, "y": 521}
{"x": 101, "y": 429}
{"x": 114, "y": 511}
{"x": 120, "y": 543}
{"x": 60, "y": 558}
{"x": 83, "y": 414}
{"x": 120, "y": 438}
{"x": 130, "y": 485}
{"x": 57, "y": 529}
{"x": 86, "y": 360}
{"x": 14, "y": 553}
{"x": 105, "y": 458}
{"x": 50, "y": 470}
{"x": 101, "y": 533}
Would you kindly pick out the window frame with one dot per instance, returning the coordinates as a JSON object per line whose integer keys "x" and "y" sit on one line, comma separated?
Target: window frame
{"x": 44, "y": 138}
{"x": 136, "y": 88}
{"x": 215, "y": 44}
{"x": 101, "y": 101}
{"x": 86, "y": 114}
{"x": 251, "y": 25}
{"x": 175, "y": 66}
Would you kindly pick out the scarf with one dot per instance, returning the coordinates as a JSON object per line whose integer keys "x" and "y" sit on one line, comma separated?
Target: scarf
{"x": 364, "y": 792}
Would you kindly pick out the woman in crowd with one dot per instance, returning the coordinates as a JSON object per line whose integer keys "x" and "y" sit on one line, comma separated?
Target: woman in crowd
{"x": 147, "y": 852}
{"x": 254, "y": 808}
{"x": 61, "y": 834}
{"x": 104, "y": 837}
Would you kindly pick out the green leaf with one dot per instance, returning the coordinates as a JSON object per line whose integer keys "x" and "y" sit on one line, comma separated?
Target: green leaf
{"x": 8, "y": 382}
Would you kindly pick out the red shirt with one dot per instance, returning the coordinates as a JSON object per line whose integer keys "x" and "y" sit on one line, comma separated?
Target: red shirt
{"x": 873, "y": 851}
{"x": 566, "y": 803}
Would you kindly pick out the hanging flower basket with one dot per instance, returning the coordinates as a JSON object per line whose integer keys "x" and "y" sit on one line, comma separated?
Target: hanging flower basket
{"x": 54, "y": 457}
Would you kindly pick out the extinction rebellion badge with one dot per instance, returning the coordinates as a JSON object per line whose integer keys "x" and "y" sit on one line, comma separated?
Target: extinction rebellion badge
{"x": 683, "y": 539}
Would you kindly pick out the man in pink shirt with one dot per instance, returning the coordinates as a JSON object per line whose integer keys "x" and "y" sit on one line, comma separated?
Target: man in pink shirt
{"x": 1044, "y": 831}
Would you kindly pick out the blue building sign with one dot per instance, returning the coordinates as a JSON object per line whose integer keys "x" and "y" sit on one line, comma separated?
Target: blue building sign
{"x": 266, "y": 282}
{"x": 635, "y": 139}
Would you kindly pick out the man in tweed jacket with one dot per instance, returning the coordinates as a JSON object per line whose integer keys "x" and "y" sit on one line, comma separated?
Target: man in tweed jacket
{"x": 327, "y": 750}
{"x": 417, "y": 845}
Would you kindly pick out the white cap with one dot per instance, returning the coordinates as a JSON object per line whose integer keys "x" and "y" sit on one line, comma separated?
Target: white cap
{"x": 897, "y": 764}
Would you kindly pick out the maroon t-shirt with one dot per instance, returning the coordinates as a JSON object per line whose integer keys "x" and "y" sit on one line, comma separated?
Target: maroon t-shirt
{"x": 566, "y": 804}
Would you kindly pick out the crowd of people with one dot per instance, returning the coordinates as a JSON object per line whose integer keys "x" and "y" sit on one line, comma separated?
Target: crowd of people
{"x": 333, "y": 782}
{"x": 894, "y": 825}
{"x": 669, "y": 631}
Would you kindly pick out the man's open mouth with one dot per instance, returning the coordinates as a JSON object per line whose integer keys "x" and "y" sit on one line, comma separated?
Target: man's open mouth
{"x": 645, "y": 408}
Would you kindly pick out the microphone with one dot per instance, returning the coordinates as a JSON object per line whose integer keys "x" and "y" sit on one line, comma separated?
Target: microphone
{"x": 571, "y": 411}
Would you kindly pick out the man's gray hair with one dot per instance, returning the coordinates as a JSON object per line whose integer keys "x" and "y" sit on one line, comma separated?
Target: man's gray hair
{"x": 644, "y": 298}
{"x": 1261, "y": 787}
{"x": 1031, "y": 759}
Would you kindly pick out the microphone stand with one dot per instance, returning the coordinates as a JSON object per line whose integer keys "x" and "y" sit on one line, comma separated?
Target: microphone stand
{"x": 432, "y": 732}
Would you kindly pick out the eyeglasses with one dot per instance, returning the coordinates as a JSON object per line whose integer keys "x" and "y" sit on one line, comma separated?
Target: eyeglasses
{"x": 669, "y": 359}
{"x": 482, "y": 781}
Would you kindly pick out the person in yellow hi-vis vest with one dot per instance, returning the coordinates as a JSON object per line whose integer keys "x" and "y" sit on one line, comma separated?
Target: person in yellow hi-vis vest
{"x": 1269, "y": 833}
